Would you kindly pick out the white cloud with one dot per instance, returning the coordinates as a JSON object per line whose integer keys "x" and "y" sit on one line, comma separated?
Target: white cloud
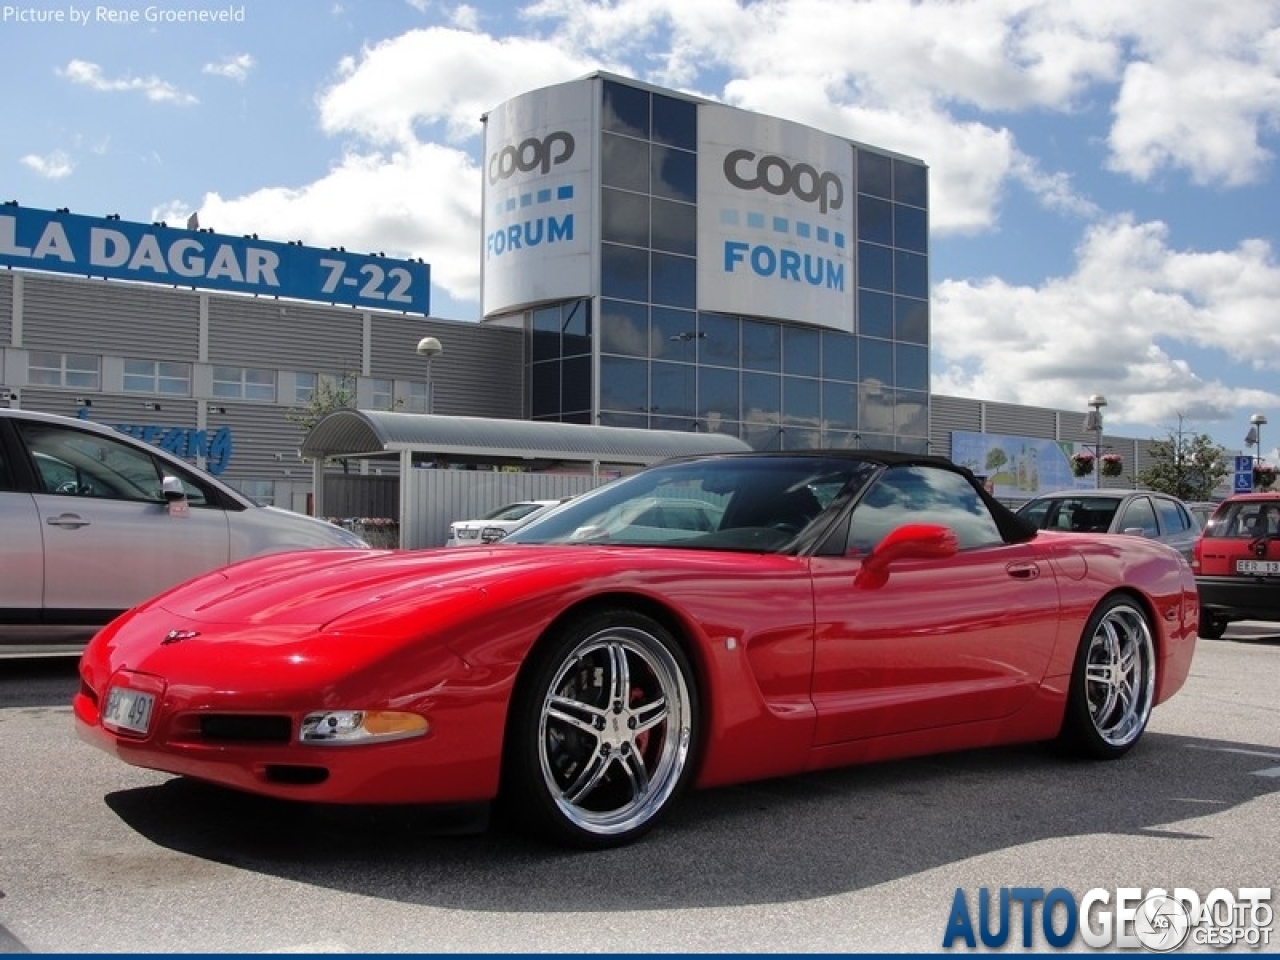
{"x": 1123, "y": 324}
{"x": 153, "y": 88}
{"x": 371, "y": 203}
{"x": 53, "y": 165}
{"x": 235, "y": 67}
{"x": 438, "y": 75}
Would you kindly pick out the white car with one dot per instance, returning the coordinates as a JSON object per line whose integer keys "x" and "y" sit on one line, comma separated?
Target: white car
{"x": 496, "y": 524}
{"x": 94, "y": 522}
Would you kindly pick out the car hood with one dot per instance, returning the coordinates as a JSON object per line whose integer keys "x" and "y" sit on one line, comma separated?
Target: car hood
{"x": 317, "y": 587}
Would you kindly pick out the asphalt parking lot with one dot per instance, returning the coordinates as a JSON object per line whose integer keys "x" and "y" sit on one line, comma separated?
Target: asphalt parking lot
{"x": 96, "y": 856}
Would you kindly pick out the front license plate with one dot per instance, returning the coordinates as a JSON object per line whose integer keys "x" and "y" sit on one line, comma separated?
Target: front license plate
{"x": 128, "y": 710}
{"x": 1267, "y": 567}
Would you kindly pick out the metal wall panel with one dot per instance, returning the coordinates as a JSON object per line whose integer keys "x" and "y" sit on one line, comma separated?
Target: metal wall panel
{"x": 252, "y": 332}
{"x": 72, "y": 315}
{"x": 6, "y": 308}
{"x": 436, "y": 498}
{"x": 1018, "y": 421}
{"x": 479, "y": 374}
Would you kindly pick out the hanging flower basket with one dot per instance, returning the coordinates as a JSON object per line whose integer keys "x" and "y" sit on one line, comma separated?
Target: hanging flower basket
{"x": 1082, "y": 464}
{"x": 1264, "y": 476}
{"x": 1112, "y": 464}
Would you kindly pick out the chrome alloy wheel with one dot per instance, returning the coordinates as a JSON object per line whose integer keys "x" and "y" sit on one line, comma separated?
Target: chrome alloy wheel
{"x": 614, "y": 731}
{"x": 1120, "y": 675}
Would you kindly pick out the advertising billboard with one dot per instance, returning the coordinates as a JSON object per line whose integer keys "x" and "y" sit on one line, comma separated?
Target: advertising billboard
{"x": 1019, "y": 468}
{"x": 775, "y": 219}
{"x": 201, "y": 259}
{"x": 537, "y": 199}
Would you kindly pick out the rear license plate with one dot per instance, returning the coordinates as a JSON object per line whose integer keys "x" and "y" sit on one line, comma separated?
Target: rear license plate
{"x": 128, "y": 710}
{"x": 1267, "y": 567}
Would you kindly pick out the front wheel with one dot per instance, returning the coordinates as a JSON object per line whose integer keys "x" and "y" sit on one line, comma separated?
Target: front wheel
{"x": 1113, "y": 682}
{"x": 602, "y": 731}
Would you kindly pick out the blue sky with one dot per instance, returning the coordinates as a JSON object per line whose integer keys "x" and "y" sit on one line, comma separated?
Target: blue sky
{"x": 1103, "y": 174}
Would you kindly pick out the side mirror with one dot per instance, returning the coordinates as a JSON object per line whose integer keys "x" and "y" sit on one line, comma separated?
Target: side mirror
{"x": 912, "y": 541}
{"x": 176, "y": 496}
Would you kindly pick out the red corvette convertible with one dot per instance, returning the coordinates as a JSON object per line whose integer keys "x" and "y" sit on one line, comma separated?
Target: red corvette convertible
{"x": 704, "y": 622}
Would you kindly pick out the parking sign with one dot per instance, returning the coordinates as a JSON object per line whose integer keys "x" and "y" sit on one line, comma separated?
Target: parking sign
{"x": 1243, "y": 475}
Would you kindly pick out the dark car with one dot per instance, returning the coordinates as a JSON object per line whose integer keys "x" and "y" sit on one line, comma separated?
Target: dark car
{"x": 1143, "y": 513}
{"x": 1237, "y": 563}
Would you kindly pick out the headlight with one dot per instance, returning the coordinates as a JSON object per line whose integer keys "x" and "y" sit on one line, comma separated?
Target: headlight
{"x": 492, "y": 534}
{"x": 342, "y": 727}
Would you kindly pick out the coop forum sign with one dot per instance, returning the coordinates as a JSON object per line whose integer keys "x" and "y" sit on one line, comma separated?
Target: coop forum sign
{"x": 99, "y": 247}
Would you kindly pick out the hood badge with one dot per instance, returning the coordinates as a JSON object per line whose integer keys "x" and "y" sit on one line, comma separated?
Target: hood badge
{"x": 173, "y": 636}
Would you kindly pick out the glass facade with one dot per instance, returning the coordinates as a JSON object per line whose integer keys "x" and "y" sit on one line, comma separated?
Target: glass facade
{"x": 662, "y": 364}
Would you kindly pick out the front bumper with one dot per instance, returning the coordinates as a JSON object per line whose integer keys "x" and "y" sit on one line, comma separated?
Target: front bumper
{"x": 246, "y": 743}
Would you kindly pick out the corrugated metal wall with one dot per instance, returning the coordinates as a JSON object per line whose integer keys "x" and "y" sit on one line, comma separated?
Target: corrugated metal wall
{"x": 439, "y": 497}
{"x": 71, "y": 315}
{"x": 6, "y": 309}
{"x": 479, "y": 374}
{"x": 272, "y": 334}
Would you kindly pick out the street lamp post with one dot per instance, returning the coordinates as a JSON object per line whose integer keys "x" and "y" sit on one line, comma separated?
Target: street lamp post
{"x": 1256, "y": 423}
{"x": 1094, "y": 423}
{"x": 430, "y": 348}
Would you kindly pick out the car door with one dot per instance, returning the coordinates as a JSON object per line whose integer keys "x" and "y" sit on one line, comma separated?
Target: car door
{"x": 942, "y": 641}
{"x": 22, "y": 578}
{"x": 1178, "y": 527}
{"x": 110, "y": 538}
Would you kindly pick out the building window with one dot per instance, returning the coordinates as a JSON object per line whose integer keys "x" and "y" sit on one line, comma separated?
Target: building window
{"x": 164, "y": 377}
{"x": 244, "y": 383}
{"x": 415, "y": 397}
{"x": 381, "y": 393}
{"x": 77, "y": 371}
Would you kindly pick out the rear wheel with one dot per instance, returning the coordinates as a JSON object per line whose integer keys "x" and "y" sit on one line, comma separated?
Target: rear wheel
{"x": 1113, "y": 682}
{"x": 601, "y": 736}
{"x": 1212, "y": 627}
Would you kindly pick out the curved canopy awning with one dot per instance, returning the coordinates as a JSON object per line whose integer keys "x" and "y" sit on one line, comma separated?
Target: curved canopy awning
{"x": 355, "y": 433}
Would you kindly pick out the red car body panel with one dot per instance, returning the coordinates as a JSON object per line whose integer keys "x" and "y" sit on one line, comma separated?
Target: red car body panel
{"x": 799, "y": 665}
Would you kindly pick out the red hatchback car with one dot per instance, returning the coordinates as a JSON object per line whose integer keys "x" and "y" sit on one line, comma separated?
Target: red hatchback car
{"x": 1237, "y": 563}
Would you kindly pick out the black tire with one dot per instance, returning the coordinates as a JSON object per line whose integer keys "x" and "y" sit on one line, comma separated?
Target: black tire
{"x": 1113, "y": 682}
{"x": 1212, "y": 627}
{"x": 602, "y": 734}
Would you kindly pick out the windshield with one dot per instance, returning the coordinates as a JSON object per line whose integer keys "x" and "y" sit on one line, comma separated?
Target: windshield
{"x": 731, "y": 503}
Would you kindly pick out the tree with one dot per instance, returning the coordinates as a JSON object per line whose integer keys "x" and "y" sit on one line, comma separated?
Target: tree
{"x": 1186, "y": 466}
{"x": 330, "y": 394}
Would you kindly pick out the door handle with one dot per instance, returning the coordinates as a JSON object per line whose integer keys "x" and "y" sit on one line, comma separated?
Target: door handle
{"x": 1023, "y": 571}
{"x": 71, "y": 521}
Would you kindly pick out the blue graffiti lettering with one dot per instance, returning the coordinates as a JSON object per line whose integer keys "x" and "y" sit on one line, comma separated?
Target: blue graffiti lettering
{"x": 187, "y": 443}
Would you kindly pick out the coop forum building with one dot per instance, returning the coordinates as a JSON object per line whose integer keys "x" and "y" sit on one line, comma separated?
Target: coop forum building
{"x": 649, "y": 260}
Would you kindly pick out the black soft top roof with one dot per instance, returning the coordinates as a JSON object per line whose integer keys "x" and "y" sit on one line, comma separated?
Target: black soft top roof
{"x": 1013, "y": 528}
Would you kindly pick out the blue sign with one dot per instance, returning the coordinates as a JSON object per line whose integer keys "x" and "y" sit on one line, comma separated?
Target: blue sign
{"x": 1243, "y": 480}
{"x": 101, "y": 247}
